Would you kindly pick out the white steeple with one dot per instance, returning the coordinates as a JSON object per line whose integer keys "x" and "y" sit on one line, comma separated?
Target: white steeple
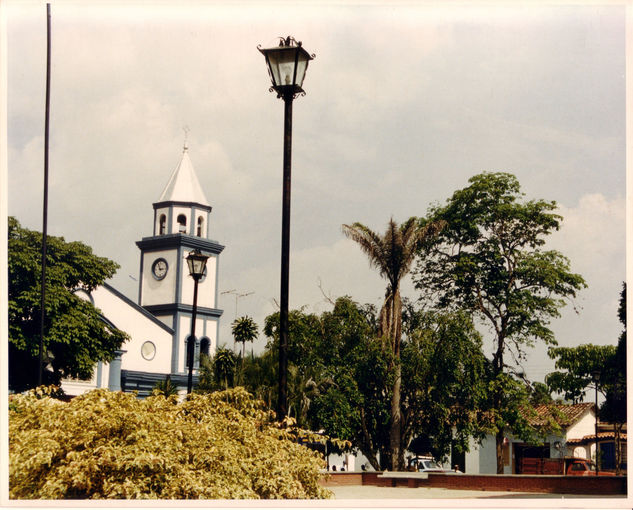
{"x": 183, "y": 185}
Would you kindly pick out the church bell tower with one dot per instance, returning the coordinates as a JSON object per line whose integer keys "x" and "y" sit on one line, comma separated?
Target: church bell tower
{"x": 181, "y": 224}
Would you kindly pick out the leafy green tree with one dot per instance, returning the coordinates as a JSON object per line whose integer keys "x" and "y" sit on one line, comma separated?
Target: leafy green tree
{"x": 575, "y": 368}
{"x": 444, "y": 382}
{"x": 489, "y": 260}
{"x": 393, "y": 254}
{"x": 351, "y": 382}
{"x": 540, "y": 394}
{"x": 260, "y": 377}
{"x": 614, "y": 408}
{"x": 76, "y": 335}
{"x": 112, "y": 445}
{"x": 303, "y": 328}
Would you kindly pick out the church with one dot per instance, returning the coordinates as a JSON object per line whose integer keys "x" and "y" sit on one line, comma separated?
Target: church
{"x": 159, "y": 323}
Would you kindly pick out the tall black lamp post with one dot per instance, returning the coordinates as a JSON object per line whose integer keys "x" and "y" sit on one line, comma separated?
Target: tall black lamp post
{"x": 197, "y": 263}
{"x": 287, "y": 66}
{"x": 595, "y": 376}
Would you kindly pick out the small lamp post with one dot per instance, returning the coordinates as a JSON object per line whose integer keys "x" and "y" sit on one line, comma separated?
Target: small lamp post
{"x": 595, "y": 376}
{"x": 287, "y": 66}
{"x": 197, "y": 263}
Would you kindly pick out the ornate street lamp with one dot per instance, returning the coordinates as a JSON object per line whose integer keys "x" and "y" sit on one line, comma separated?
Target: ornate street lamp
{"x": 197, "y": 263}
{"x": 287, "y": 66}
{"x": 595, "y": 376}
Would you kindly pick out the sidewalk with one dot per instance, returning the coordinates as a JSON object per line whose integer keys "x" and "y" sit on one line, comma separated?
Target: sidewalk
{"x": 373, "y": 492}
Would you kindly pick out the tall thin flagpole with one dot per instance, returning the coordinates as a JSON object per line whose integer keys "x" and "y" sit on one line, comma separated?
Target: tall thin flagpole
{"x": 45, "y": 207}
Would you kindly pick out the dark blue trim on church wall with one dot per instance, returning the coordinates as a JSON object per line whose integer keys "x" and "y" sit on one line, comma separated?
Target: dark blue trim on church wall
{"x": 99, "y": 374}
{"x": 144, "y": 382}
{"x": 170, "y": 308}
{"x": 217, "y": 278}
{"x": 170, "y": 222}
{"x": 156, "y": 243}
{"x": 140, "y": 309}
{"x": 175, "y": 344}
{"x": 140, "y": 279}
{"x": 158, "y": 205}
{"x": 179, "y": 275}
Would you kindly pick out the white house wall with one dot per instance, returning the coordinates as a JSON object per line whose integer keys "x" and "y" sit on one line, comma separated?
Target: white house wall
{"x": 482, "y": 458}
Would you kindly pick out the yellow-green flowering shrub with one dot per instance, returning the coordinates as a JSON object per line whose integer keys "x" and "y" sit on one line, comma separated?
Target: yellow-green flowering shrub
{"x": 113, "y": 445}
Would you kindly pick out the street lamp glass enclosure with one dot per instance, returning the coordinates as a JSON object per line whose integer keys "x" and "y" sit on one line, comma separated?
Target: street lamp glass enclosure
{"x": 197, "y": 263}
{"x": 287, "y": 66}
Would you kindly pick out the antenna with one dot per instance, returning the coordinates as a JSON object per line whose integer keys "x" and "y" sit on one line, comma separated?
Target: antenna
{"x": 237, "y": 296}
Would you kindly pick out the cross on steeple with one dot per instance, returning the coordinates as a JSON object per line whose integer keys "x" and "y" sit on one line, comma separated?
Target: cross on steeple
{"x": 186, "y": 130}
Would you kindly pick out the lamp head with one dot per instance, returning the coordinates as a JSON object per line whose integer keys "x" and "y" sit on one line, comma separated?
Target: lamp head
{"x": 287, "y": 65}
{"x": 197, "y": 263}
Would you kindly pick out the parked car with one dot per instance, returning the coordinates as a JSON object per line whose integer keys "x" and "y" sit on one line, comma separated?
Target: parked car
{"x": 425, "y": 464}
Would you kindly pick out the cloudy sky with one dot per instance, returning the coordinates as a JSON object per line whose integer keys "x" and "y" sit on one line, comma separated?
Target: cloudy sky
{"x": 405, "y": 102}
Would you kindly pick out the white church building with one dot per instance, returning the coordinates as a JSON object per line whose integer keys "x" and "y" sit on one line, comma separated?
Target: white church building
{"x": 159, "y": 324}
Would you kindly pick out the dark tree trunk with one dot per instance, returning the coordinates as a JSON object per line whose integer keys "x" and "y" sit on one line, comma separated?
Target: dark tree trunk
{"x": 499, "y": 451}
{"x": 390, "y": 328}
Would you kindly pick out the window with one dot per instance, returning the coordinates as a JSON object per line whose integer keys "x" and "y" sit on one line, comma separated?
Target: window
{"x": 200, "y": 224}
{"x": 148, "y": 350}
{"x": 189, "y": 344}
{"x": 182, "y": 223}
{"x": 204, "y": 346}
{"x": 162, "y": 225}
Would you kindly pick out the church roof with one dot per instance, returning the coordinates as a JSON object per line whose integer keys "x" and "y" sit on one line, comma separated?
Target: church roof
{"x": 183, "y": 185}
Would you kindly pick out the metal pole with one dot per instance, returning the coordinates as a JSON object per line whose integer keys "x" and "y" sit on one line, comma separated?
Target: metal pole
{"x": 191, "y": 345}
{"x": 45, "y": 206}
{"x": 282, "y": 405}
{"x": 597, "y": 451}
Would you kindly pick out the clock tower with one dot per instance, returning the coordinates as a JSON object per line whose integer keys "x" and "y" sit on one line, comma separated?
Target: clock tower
{"x": 181, "y": 224}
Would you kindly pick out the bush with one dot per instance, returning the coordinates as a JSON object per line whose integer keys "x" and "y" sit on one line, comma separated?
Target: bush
{"x": 108, "y": 445}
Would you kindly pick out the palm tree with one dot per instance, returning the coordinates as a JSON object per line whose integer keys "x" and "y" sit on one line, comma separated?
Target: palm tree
{"x": 393, "y": 254}
{"x": 244, "y": 330}
{"x": 224, "y": 366}
{"x": 166, "y": 387}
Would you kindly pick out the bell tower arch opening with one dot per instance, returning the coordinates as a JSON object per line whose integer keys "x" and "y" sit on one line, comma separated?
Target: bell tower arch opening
{"x": 162, "y": 225}
{"x": 182, "y": 223}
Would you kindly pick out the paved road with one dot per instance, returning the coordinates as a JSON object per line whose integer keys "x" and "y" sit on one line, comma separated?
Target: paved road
{"x": 373, "y": 492}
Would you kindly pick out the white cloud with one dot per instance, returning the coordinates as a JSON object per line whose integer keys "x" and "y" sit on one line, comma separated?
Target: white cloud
{"x": 404, "y": 104}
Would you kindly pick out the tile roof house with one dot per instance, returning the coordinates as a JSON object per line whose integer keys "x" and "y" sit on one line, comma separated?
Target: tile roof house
{"x": 575, "y": 438}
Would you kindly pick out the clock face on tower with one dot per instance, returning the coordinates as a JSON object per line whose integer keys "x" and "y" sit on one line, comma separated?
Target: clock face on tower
{"x": 159, "y": 268}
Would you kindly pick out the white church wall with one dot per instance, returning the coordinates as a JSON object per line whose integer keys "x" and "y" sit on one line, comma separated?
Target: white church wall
{"x": 206, "y": 286}
{"x": 140, "y": 328}
{"x": 159, "y": 291}
{"x": 205, "y": 327}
